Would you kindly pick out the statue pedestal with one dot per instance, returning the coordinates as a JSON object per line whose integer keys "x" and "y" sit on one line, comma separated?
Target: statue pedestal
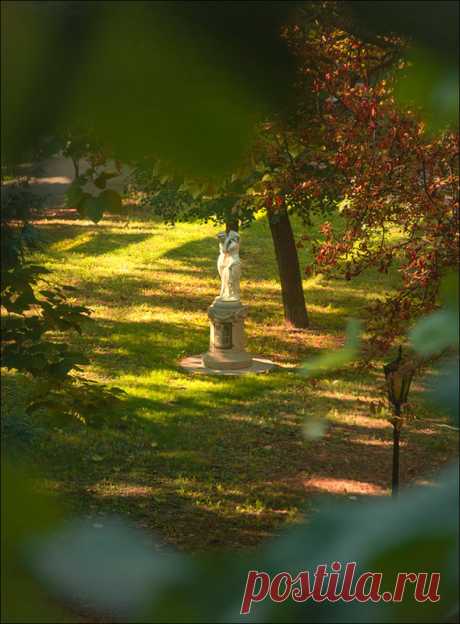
{"x": 227, "y": 353}
{"x": 227, "y": 338}
{"x": 227, "y": 345}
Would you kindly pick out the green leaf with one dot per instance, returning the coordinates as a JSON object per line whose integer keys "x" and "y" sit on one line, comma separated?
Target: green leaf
{"x": 432, "y": 84}
{"x": 80, "y": 205}
{"x": 93, "y": 209}
{"x": 101, "y": 180}
{"x": 332, "y": 360}
{"x": 110, "y": 201}
{"x": 26, "y": 514}
{"x": 444, "y": 388}
{"x": 435, "y": 332}
{"x": 74, "y": 195}
{"x": 194, "y": 190}
{"x": 87, "y": 562}
{"x": 449, "y": 291}
{"x": 439, "y": 330}
{"x": 314, "y": 428}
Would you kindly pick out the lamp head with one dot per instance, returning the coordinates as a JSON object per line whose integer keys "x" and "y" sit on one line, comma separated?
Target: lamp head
{"x": 398, "y": 376}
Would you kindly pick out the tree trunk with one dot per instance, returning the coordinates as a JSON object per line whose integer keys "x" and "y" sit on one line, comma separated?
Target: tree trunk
{"x": 232, "y": 225}
{"x": 295, "y": 311}
{"x": 76, "y": 166}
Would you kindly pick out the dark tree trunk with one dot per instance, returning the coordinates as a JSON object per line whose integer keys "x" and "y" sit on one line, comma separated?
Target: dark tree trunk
{"x": 76, "y": 166}
{"x": 232, "y": 225}
{"x": 295, "y": 311}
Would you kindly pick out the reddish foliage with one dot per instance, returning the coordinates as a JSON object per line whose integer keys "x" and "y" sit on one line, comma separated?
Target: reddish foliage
{"x": 399, "y": 183}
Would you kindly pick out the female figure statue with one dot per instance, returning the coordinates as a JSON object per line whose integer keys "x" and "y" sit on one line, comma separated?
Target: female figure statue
{"x": 229, "y": 265}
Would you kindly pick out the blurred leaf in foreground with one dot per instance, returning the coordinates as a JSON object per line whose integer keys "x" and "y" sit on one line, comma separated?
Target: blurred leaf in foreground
{"x": 183, "y": 80}
{"x": 431, "y": 84}
{"x": 110, "y": 569}
{"x": 107, "y": 566}
{"x": 25, "y": 514}
{"x": 435, "y": 332}
{"x": 332, "y": 360}
{"x": 431, "y": 29}
{"x": 443, "y": 390}
{"x": 438, "y": 333}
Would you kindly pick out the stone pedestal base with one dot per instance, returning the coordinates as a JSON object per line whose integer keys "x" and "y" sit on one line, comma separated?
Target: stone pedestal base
{"x": 227, "y": 338}
{"x": 194, "y": 364}
{"x": 227, "y": 353}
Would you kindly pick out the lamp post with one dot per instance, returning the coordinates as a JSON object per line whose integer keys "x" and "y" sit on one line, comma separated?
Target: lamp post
{"x": 398, "y": 377}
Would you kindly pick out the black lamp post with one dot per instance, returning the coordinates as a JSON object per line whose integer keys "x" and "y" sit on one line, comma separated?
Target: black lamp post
{"x": 398, "y": 376}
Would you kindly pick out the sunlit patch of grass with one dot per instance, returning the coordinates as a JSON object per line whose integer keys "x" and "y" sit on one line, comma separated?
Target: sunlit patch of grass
{"x": 344, "y": 486}
{"x": 209, "y": 462}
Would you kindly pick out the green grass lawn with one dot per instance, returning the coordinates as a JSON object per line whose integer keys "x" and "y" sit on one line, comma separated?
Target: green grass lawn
{"x": 214, "y": 462}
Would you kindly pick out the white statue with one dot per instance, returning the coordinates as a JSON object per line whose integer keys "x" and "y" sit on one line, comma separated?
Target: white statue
{"x": 229, "y": 265}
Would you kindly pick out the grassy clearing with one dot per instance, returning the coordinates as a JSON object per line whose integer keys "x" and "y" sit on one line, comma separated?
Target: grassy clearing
{"x": 211, "y": 463}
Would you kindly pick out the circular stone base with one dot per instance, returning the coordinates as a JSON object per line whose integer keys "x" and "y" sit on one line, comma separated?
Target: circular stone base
{"x": 194, "y": 364}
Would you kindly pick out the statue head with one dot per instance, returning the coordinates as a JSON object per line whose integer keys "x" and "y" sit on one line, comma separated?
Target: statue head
{"x": 232, "y": 240}
{"x": 228, "y": 238}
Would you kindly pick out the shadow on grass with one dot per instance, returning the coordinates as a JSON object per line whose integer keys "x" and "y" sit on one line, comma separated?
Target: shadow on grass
{"x": 224, "y": 464}
{"x": 196, "y": 261}
{"x": 222, "y": 478}
{"x": 201, "y": 254}
{"x": 211, "y": 462}
{"x": 108, "y": 242}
